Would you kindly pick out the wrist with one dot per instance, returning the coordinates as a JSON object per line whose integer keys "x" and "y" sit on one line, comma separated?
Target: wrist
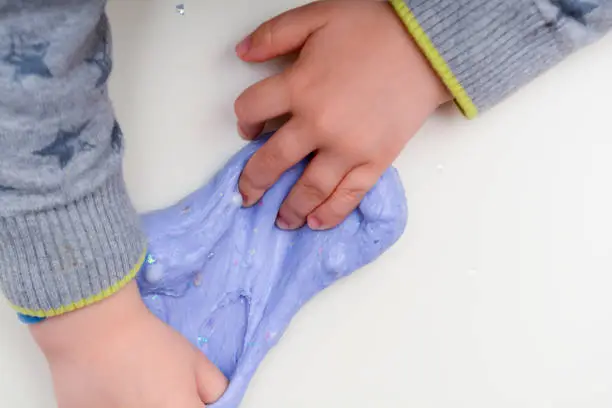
{"x": 436, "y": 60}
{"x": 65, "y": 334}
{"x": 440, "y": 92}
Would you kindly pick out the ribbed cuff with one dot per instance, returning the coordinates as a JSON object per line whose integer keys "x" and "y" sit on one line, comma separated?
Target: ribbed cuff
{"x": 61, "y": 259}
{"x": 482, "y": 49}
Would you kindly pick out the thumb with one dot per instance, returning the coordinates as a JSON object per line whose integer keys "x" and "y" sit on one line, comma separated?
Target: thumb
{"x": 210, "y": 381}
{"x": 283, "y": 34}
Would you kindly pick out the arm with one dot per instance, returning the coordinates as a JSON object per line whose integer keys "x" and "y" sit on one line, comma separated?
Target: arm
{"x": 483, "y": 50}
{"x": 69, "y": 235}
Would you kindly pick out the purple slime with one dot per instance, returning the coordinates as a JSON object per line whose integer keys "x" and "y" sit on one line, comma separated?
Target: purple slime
{"x": 230, "y": 281}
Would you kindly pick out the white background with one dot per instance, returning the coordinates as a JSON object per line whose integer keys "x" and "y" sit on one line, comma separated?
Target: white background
{"x": 498, "y": 294}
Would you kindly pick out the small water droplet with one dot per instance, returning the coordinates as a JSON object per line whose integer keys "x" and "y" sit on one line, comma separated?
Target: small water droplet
{"x": 151, "y": 259}
{"x": 252, "y": 252}
{"x": 180, "y": 8}
{"x": 186, "y": 210}
{"x": 210, "y": 255}
{"x": 202, "y": 341}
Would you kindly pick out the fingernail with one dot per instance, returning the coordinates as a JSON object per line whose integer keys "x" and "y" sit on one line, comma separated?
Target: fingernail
{"x": 245, "y": 199}
{"x": 243, "y": 47}
{"x": 241, "y": 132}
{"x": 249, "y": 132}
{"x": 314, "y": 223}
{"x": 282, "y": 224}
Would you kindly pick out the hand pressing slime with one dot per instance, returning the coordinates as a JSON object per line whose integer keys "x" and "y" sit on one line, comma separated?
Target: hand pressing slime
{"x": 230, "y": 281}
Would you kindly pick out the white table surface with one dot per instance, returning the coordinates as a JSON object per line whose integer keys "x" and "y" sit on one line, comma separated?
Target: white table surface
{"x": 499, "y": 293}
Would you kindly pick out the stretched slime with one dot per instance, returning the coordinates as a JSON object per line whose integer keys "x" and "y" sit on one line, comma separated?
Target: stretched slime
{"x": 230, "y": 281}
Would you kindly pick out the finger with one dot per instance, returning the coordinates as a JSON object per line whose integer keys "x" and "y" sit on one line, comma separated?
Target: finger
{"x": 344, "y": 199}
{"x": 283, "y": 34}
{"x": 267, "y": 99}
{"x": 210, "y": 381}
{"x": 283, "y": 150}
{"x": 318, "y": 182}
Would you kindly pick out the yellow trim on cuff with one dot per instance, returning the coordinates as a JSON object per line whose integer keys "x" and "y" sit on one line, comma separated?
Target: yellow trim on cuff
{"x": 88, "y": 301}
{"x": 462, "y": 99}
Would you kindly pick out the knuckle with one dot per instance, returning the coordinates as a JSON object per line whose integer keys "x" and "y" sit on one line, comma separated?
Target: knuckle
{"x": 322, "y": 116}
{"x": 351, "y": 194}
{"x": 293, "y": 212}
{"x": 247, "y": 180}
{"x": 330, "y": 215}
{"x": 266, "y": 33}
{"x": 312, "y": 190}
{"x": 265, "y": 166}
{"x": 323, "y": 122}
{"x": 328, "y": 120}
{"x": 272, "y": 158}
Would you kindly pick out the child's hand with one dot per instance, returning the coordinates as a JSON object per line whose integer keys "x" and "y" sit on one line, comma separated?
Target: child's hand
{"x": 357, "y": 93}
{"x": 115, "y": 354}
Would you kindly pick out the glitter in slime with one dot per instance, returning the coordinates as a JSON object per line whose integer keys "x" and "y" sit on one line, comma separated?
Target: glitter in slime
{"x": 230, "y": 281}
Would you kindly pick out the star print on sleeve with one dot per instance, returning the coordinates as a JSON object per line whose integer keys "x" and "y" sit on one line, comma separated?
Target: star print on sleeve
{"x": 65, "y": 146}
{"x": 116, "y": 137}
{"x": 575, "y": 9}
{"x": 28, "y": 58}
{"x": 101, "y": 57}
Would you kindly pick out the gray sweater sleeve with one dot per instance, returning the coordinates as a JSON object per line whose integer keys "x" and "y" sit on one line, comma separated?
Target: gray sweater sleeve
{"x": 485, "y": 49}
{"x": 69, "y": 235}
